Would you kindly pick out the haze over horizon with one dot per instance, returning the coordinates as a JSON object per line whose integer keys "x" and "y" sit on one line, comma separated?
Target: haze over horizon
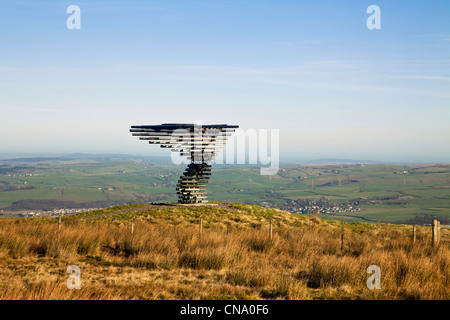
{"x": 311, "y": 69}
{"x": 33, "y": 157}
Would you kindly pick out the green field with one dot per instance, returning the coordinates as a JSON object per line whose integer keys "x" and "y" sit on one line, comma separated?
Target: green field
{"x": 389, "y": 195}
{"x": 385, "y": 192}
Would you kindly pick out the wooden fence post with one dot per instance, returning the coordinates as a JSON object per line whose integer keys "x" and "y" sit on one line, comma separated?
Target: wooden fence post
{"x": 270, "y": 229}
{"x": 132, "y": 226}
{"x": 342, "y": 235}
{"x": 435, "y": 233}
{"x": 414, "y": 234}
{"x": 200, "y": 230}
{"x": 59, "y": 223}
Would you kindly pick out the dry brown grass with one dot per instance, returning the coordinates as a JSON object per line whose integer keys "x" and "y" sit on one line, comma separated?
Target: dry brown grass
{"x": 171, "y": 261}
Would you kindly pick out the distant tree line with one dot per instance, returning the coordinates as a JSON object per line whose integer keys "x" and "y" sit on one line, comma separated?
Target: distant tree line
{"x": 15, "y": 188}
{"x": 427, "y": 219}
{"x": 14, "y": 169}
{"x": 52, "y": 204}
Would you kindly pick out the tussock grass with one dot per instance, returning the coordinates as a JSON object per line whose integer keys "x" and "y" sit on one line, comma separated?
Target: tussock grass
{"x": 166, "y": 258}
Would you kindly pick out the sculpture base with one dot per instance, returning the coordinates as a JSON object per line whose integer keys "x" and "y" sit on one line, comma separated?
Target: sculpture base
{"x": 191, "y": 187}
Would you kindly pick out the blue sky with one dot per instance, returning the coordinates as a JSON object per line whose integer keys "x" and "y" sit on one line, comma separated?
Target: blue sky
{"x": 311, "y": 69}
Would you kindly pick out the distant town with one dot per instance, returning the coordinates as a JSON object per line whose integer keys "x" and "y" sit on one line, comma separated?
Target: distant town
{"x": 318, "y": 205}
{"x": 54, "y": 213}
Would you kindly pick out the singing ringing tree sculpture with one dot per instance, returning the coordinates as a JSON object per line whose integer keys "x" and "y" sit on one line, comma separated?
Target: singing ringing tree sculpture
{"x": 199, "y": 143}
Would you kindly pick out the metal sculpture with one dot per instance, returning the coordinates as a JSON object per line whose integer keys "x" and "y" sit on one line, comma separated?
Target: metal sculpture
{"x": 199, "y": 143}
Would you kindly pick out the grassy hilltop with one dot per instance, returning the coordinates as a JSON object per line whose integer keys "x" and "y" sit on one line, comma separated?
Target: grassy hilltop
{"x": 166, "y": 258}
